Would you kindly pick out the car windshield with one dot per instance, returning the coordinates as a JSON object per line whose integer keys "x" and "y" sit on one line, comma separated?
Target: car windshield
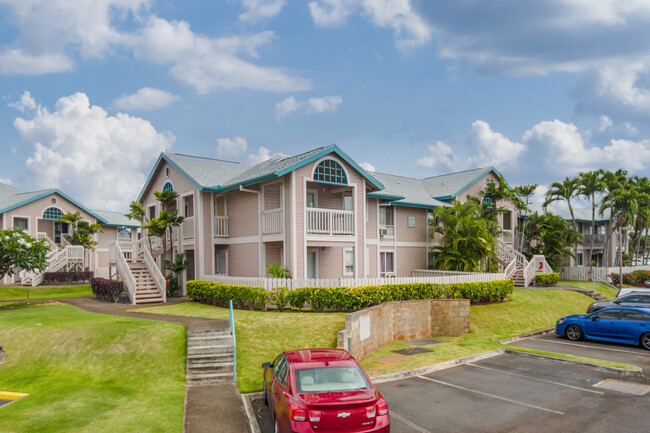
{"x": 330, "y": 379}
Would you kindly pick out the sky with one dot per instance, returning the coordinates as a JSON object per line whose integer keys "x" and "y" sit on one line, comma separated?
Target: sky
{"x": 92, "y": 91}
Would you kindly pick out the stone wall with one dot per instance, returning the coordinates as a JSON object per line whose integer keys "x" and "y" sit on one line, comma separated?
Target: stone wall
{"x": 368, "y": 330}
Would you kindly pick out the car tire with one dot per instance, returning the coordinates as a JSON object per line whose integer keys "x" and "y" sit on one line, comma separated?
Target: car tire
{"x": 645, "y": 341}
{"x": 266, "y": 399}
{"x": 573, "y": 333}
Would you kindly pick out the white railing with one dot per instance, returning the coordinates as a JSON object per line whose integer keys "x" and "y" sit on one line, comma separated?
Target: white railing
{"x": 124, "y": 272}
{"x": 387, "y": 231}
{"x": 507, "y": 254}
{"x": 599, "y": 240}
{"x": 511, "y": 268}
{"x": 585, "y": 273}
{"x": 272, "y": 221}
{"x": 529, "y": 273}
{"x": 41, "y": 235}
{"x": 270, "y": 283}
{"x": 158, "y": 277}
{"x": 187, "y": 228}
{"x": 221, "y": 227}
{"x": 330, "y": 221}
{"x": 56, "y": 260}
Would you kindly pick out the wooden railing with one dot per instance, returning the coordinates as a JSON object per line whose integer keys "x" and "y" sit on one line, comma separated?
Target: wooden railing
{"x": 52, "y": 244}
{"x": 387, "y": 231}
{"x": 511, "y": 268}
{"x": 124, "y": 271}
{"x": 272, "y": 221}
{"x": 56, "y": 260}
{"x": 157, "y": 275}
{"x": 599, "y": 240}
{"x": 330, "y": 221}
{"x": 187, "y": 227}
{"x": 221, "y": 227}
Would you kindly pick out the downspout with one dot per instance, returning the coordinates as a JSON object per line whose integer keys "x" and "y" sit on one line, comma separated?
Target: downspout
{"x": 259, "y": 226}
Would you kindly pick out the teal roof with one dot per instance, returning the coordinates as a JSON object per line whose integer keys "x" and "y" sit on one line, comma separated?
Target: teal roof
{"x": 405, "y": 191}
{"x": 448, "y": 186}
{"x": 117, "y": 219}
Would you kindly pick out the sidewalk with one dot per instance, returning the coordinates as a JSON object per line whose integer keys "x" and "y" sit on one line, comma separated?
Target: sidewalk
{"x": 208, "y": 408}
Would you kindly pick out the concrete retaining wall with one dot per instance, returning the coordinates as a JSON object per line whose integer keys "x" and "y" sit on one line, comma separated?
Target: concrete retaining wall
{"x": 368, "y": 330}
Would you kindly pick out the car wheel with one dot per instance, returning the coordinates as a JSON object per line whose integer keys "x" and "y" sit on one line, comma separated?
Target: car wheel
{"x": 266, "y": 399}
{"x": 645, "y": 340}
{"x": 573, "y": 332}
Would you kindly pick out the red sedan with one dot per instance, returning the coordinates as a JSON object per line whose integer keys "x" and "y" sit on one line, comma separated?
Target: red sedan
{"x": 322, "y": 390}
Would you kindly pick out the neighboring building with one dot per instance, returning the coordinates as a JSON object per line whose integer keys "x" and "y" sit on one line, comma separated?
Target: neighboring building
{"x": 318, "y": 213}
{"x": 38, "y": 212}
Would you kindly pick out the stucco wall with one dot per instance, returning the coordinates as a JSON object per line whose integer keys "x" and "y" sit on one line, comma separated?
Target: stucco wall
{"x": 368, "y": 330}
{"x": 409, "y": 258}
{"x": 243, "y": 215}
{"x": 243, "y": 260}
{"x": 404, "y": 233}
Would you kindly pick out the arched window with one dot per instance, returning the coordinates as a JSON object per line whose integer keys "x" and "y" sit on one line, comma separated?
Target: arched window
{"x": 168, "y": 187}
{"x": 52, "y": 213}
{"x": 330, "y": 171}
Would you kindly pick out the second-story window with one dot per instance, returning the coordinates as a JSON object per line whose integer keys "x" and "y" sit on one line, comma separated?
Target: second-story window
{"x": 220, "y": 205}
{"x": 386, "y": 220}
{"x": 330, "y": 171}
{"x": 348, "y": 202}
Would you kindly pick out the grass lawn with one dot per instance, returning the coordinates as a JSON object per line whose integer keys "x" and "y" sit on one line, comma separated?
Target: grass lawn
{"x": 91, "y": 373}
{"x": 601, "y": 288}
{"x": 262, "y": 336}
{"x": 45, "y": 292}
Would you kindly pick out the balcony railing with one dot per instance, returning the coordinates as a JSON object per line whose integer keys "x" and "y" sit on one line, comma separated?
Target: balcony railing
{"x": 188, "y": 229}
{"x": 272, "y": 221}
{"x": 599, "y": 240}
{"x": 330, "y": 221}
{"x": 221, "y": 227}
{"x": 387, "y": 231}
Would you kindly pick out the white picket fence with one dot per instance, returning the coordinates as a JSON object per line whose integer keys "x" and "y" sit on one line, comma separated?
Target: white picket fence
{"x": 584, "y": 273}
{"x": 270, "y": 283}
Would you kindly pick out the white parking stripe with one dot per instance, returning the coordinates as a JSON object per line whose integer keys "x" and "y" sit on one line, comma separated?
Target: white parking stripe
{"x": 408, "y": 423}
{"x": 588, "y": 346}
{"x": 535, "y": 378}
{"x": 498, "y": 397}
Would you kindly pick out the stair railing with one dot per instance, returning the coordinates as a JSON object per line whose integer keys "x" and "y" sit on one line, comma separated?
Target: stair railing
{"x": 511, "y": 268}
{"x": 234, "y": 345}
{"x": 158, "y": 277}
{"x": 529, "y": 273}
{"x": 124, "y": 272}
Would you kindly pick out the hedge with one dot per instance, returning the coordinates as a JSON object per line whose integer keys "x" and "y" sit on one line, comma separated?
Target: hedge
{"x": 636, "y": 278}
{"x": 547, "y": 280}
{"x": 345, "y": 298}
{"x": 108, "y": 290}
{"x": 66, "y": 277}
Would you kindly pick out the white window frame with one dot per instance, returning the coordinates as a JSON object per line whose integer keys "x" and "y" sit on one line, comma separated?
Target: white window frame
{"x": 386, "y": 274}
{"x": 345, "y": 251}
{"x": 312, "y": 191}
{"x": 343, "y": 196}
{"x": 216, "y": 262}
{"x": 13, "y": 221}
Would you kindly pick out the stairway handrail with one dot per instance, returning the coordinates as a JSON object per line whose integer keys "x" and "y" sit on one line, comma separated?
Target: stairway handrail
{"x": 158, "y": 277}
{"x": 511, "y": 268}
{"x": 529, "y": 273}
{"x": 508, "y": 253}
{"x": 124, "y": 272}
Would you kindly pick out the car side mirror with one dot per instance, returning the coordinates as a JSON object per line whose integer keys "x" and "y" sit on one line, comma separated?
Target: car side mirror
{"x": 617, "y": 302}
{"x": 266, "y": 365}
{"x": 593, "y": 319}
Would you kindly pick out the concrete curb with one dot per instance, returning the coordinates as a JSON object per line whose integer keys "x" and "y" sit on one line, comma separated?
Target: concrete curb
{"x": 597, "y": 367}
{"x": 252, "y": 420}
{"x": 523, "y": 337}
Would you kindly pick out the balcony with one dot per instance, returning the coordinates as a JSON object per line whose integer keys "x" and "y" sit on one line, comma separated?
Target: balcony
{"x": 330, "y": 221}
{"x": 272, "y": 221}
{"x": 599, "y": 240}
{"x": 187, "y": 229}
{"x": 221, "y": 227}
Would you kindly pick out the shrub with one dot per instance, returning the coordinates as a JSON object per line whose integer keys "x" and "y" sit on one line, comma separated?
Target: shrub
{"x": 108, "y": 290}
{"x": 66, "y": 277}
{"x": 277, "y": 271}
{"x": 547, "y": 280}
{"x": 636, "y": 278}
{"x": 347, "y": 298}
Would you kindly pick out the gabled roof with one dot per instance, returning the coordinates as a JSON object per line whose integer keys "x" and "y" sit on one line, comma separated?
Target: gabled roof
{"x": 448, "y": 186}
{"x": 214, "y": 175}
{"x": 117, "y": 219}
{"x": 405, "y": 191}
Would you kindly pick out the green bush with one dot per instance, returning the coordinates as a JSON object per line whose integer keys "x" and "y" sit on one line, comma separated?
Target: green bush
{"x": 547, "y": 280}
{"x": 636, "y": 278}
{"x": 347, "y": 298}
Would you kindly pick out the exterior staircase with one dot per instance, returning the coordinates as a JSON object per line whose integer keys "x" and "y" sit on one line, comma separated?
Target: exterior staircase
{"x": 146, "y": 289}
{"x": 209, "y": 357}
{"x": 518, "y": 268}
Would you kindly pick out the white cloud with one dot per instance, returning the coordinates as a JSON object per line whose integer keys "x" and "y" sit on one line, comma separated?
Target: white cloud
{"x": 231, "y": 147}
{"x": 440, "y": 155}
{"x": 310, "y": 106}
{"x": 96, "y": 158}
{"x": 18, "y": 62}
{"x": 409, "y": 27}
{"x": 26, "y": 102}
{"x": 491, "y": 148}
{"x": 7, "y": 181}
{"x": 257, "y": 10}
{"x": 146, "y": 99}
{"x": 261, "y": 155}
{"x": 367, "y": 166}
{"x": 209, "y": 63}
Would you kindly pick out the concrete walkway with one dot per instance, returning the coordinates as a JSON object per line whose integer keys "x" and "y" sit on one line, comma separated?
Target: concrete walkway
{"x": 208, "y": 408}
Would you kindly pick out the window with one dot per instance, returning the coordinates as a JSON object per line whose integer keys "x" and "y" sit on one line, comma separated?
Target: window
{"x": 609, "y": 315}
{"x": 386, "y": 220}
{"x": 348, "y": 203}
{"x": 278, "y": 363}
{"x": 312, "y": 199}
{"x": 21, "y": 223}
{"x": 221, "y": 261}
{"x": 52, "y": 213}
{"x": 348, "y": 261}
{"x": 507, "y": 220}
{"x": 220, "y": 205}
{"x": 168, "y": 187}
{"x": 634, "y": 315}
{"x": 330, "y": 171}
{"x": 152, "y": 212}
{"x": 579, "y": 259}
{"x": 124, "y": 234}
{"x": 386, "y": 264}
{"x": 330, "y": 379}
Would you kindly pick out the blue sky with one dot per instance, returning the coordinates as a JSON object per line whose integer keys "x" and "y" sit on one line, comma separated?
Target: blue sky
{"x": 93, "y": 91}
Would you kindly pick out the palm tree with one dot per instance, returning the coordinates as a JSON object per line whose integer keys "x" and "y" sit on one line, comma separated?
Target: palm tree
{"x": 643, "y": 213}
{"x": 137, "y": 212}
{"x": 523, "y": 194}
{"x": 590, "y": 184}
{"x": 622, "y": 200}
{"x": 551, "y": 236}
{"x": 82, "y": 231}
{"x": 565, "y": 190}
{"x": 168, "y": 217}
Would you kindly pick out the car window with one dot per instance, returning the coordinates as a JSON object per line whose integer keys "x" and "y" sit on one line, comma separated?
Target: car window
{"x": 609, "y": 314}
{"x": 631, "y": 299}
{"x": 330, "y": 379}
{"x": 282, "y": 376}
{"x": 645, "y": 299}
{"x": 278, "y": 364}
{"x": 634, "y": 315}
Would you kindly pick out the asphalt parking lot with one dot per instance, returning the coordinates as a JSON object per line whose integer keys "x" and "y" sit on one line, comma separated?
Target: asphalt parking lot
{"x": 512, "y": 393}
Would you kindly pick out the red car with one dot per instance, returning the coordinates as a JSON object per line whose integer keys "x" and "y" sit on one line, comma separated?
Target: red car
{"x": 322, "y": 390}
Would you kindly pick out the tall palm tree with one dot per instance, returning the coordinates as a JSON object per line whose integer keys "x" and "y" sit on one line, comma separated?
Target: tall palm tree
{"x": 622, "y": 200}
{"x": 590, "y": 184}
{"x": 523, "y": 194}
{"x": 138, "y": 213}
{"x": 566, "y": 190}
{"x": 643, "y": 214}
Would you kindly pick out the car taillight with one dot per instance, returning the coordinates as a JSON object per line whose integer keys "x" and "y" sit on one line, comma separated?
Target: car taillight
{"x": 297, "y": 413}
{"x": 314, "y": 415}
{"x": 382, "y": 407}
{"x": 371, "y": 412}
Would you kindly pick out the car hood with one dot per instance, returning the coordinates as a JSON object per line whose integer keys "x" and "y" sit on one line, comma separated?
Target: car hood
{"x": 573, "y": 316}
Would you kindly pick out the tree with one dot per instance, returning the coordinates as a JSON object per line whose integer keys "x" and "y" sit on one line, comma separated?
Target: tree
{"x": 168, "y": 217}
{"x": 82, "y": 231}
{"x": 177, "y": 266}
{"x": 551, "y": 236}
{"x": 19, "y": 250}
{"x": 466, "y": 241}
{"x": 622, "y": 200}
{"x": 564, "y": 191}
{"x": 612, "y": 181}
{"x": 590, "y": 184}
{"x": 523, "y": 193}
{"x": 138, "y": 213}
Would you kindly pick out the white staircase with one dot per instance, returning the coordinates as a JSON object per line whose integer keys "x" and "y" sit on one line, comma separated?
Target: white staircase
{"x": 138, "y": 271}
{"x": 518, "y": 268}
{"x": 209, "y": 357}
{"x": 57, "y": 260}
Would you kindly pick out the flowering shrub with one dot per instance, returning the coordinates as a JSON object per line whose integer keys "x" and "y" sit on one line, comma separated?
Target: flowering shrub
{"x": 20, "y": 250}
{"x": 636, "y": 278}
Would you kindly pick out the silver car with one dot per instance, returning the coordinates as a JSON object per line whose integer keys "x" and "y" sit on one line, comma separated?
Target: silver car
{"x": 634, "y": 298}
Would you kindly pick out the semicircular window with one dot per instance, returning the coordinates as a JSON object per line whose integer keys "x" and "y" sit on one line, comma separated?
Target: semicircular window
{"x": 52, "y": 213}
{"x": 330, "y": 171}
{"x": 168, "y": 187}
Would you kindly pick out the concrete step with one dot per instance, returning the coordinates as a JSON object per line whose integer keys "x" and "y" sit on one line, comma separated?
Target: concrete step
{"x": 148, "y": 300}
{"x": 208, "y": 332}
{"x": 211, "y": 349}
{"x": 208, "y": 378}
{"x": 218, "y": 340}
{"x": 209, "y": 358}
{"x": 142, "y": 292}
{"x": 214, "y": 367}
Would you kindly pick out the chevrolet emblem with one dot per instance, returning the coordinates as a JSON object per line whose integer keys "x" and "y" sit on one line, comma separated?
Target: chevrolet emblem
{"x": 343, "y": 414}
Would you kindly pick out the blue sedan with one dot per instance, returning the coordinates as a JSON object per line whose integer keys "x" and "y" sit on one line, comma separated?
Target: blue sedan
{"x": 630, "y": 325}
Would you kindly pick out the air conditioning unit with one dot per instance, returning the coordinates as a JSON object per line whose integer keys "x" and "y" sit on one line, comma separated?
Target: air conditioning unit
{"x": 383, "y": 232}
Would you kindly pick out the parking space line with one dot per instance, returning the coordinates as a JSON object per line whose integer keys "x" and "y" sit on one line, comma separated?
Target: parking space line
{"x": 408, "y": 423}
{"x": 592, "y": 347}
{"x": 486, "y": 394}
{"x": 535, "y": 378}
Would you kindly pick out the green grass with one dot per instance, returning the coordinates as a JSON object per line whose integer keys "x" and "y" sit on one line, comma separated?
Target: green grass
{"x": 571, "y": 357}
{"x": 91, "y": 373}
{"x": 528, "y": 311}
{"x": 46, "y": 292}
{"x": 262, "y": 336}
{"x": 601, "y": 288}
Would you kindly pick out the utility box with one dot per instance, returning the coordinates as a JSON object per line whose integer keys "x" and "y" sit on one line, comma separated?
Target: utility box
{"x": 2, "y": 354}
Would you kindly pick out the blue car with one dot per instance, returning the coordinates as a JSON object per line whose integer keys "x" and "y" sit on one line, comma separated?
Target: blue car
{"x": 630, "y": 325}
